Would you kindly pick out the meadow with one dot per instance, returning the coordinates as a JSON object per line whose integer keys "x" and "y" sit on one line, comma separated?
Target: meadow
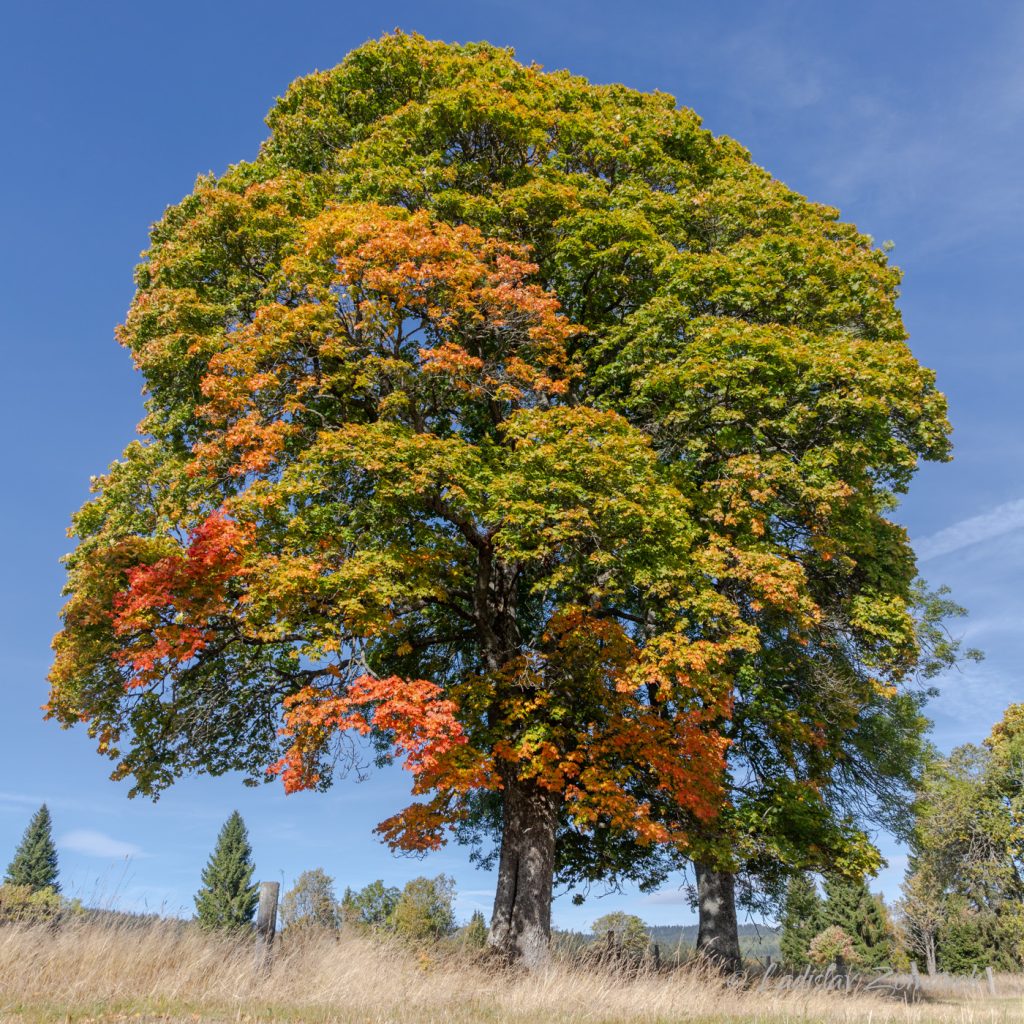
{"x": 95, "y": 971}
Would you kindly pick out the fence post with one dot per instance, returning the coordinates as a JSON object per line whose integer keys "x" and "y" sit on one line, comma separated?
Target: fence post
{"x": 991, "y": 982}
{"x": 657, "y": 957}
{"x": 266, "y": 921}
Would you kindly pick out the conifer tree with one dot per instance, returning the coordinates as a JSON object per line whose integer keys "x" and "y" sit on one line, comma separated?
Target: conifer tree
{"x": 965, "y": 943}
{"x": 850, "y": 905}
{"x": 35, "y": 861}
{"x": 228, "y": 896}
{"x": 474, "y": 935}
{"x": 802, "y": 919}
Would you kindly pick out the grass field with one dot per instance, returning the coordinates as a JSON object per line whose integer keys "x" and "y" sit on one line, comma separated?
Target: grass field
{"x": 93, "y": 972}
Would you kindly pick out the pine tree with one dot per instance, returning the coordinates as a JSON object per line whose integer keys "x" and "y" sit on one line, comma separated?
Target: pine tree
{"x": 474, "y": 934}
{"x": 802, "y": 919}
{"x": 850, "y": 905}
{"x": 228, "y": 897}
{"x": 35, "y": 861}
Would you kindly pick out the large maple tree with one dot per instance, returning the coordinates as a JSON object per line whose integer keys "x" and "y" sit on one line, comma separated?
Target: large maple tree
{"x": 525, "y": 428}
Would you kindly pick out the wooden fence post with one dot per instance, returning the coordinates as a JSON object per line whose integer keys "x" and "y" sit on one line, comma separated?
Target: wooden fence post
{"x": 991, "y": 982}
{"x": 266, "y": 921}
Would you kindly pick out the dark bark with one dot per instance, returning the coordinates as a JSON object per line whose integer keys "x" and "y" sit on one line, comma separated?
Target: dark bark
{"x": 718, "y": 936}
{"x": 521, "y": 923}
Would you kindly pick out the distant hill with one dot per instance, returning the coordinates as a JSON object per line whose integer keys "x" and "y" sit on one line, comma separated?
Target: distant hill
{"x": 756, "y": 940}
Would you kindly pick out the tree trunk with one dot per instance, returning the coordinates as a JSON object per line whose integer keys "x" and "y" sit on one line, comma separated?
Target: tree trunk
{"x": 718, "y": 936}
{"x": 521, "y": 923}
{"x": 929, "y": 952}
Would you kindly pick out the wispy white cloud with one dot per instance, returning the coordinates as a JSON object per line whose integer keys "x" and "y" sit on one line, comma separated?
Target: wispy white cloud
{"x": 1001, "y": 520}
{"x": 19, "y": 800}
{"x": 98, "y": 844}
{"x": 668, "y": 897}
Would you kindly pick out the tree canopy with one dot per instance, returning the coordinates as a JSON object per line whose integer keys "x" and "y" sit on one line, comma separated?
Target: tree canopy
{"x": 528, "y": 429}
{"x": 311, "y": 902}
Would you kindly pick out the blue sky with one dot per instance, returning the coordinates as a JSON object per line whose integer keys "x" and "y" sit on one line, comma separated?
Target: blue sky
{"x": 907, "y": 116}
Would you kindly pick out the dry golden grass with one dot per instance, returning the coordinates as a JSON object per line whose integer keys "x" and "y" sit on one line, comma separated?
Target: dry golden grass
{"x": 167, "y": 972}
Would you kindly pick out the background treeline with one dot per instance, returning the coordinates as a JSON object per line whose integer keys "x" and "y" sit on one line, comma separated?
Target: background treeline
{"x": 423, "y": 909}
{"x": 963, "y": 897}
{"x": 962, "y": 905}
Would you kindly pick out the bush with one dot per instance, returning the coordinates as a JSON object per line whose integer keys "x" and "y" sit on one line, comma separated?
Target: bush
{"x": 629, "y": 932}
{"x": 829, "y": 945}
{"x": 25, "y": 904}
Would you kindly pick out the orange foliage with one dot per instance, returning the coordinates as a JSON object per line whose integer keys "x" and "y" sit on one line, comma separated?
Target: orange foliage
{"x": 163, "y": 613}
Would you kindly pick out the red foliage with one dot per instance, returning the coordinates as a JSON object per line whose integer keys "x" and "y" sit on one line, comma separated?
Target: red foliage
{"x": 164, "y": 612}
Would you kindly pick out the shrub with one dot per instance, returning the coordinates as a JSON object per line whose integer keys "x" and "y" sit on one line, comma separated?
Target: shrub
{"x": 25, "y": 904}
{"x": 629, "y": 931}
{"x": 829, "y": 945}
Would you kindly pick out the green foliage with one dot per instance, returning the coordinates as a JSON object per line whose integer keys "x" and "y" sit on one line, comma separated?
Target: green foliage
{"x": 371, "y": 907}
{"x": 29, "y": 905}
{"x": 802, "y": 919}
{"x": 964, "y": 893}
{"x": 966, "y": 940}
{"x": 629, "y": 932}
{"x": 851, "y": 906}
{"x": 832, "y": 944}
{"x": 35, "y": 861}
{"x": 474, "y": 934}
{"x": 228, "y": 896}
{"x": 922, "y": 912}
{"x": 311, "y": 902}
{"x": 424, "y": 910}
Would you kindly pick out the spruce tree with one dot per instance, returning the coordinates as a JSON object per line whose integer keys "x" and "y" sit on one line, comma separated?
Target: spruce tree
{"x": 228, "y": 896}
{"x": 964, "y": 945}
{"x": 35, "y": 861}
{"x": 474, "y": 934}
{"x": 850, "y": 905}
{"x": 801, "y": 919}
